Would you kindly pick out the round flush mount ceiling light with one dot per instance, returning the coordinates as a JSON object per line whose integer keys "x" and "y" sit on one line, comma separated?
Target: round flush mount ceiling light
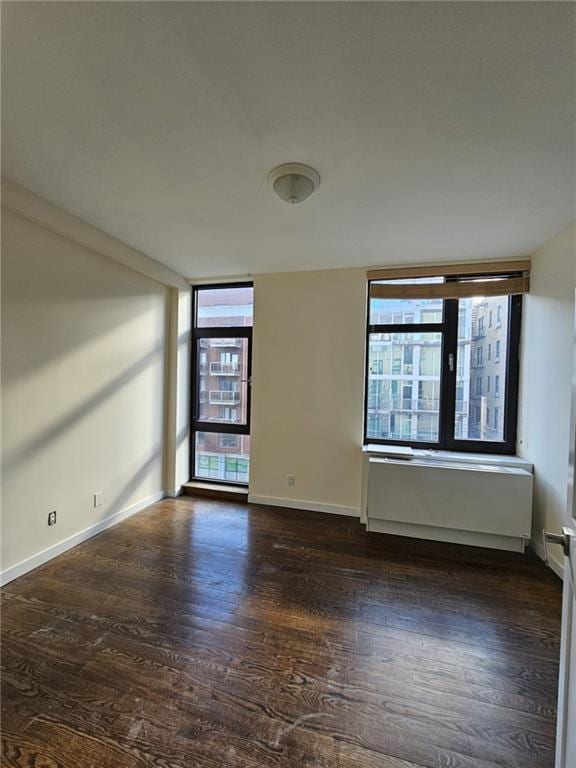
{"x": 293, "y": 182}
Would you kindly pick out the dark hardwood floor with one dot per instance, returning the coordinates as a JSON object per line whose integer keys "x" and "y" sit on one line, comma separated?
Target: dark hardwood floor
{"x": 219, "y": 635}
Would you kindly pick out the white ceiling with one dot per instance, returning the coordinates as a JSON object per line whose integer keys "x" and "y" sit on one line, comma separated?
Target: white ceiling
{"x": 440, "y": 130}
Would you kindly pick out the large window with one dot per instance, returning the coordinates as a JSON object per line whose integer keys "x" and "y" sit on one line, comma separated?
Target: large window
{"x": 222, "y": 354}
{"x": 429, "y": 368}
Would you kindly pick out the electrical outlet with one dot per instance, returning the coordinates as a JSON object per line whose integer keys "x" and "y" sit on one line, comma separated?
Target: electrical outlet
{"x": 52, "y": 518}
{"x": 291, "y": 480}
{"x": 98, "y": 499}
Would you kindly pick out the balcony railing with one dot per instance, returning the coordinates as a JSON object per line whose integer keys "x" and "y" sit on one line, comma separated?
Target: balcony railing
{"x": 224, "y": 420}
{"x": 224, "y": 342}
{"x": 412, "y": 406}
{"x": 404, "y": 339}
{"x": 223, "y": 397}
{"x": 224, "y": 369}
{"x": 405, "y": 404}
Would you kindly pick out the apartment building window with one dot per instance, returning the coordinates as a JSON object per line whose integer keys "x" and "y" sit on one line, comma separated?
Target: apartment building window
{"x": 225, "y": 413}
{"x": 229, "y": 441}
{"x": 400, "y": 425}
{"x": 397, "y": 359}
{"x": 447, "y": 314}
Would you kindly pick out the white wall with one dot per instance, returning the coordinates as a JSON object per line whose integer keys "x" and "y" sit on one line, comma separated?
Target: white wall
{"x": 546, "y": 376}
{"x": 308, "y": 373}
{"x": 83, "y": 377}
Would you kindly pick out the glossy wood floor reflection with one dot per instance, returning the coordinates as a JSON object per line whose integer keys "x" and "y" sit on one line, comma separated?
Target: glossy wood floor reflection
{"x": 214, "y": 635}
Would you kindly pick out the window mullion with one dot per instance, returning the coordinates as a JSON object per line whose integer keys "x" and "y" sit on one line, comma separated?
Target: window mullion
{"x": 449, "y": 367}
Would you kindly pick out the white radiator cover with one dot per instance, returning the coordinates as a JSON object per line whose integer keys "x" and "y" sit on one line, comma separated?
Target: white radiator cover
{"x": 487, "y": 505}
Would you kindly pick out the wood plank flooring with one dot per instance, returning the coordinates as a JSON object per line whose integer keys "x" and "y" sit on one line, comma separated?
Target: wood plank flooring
{"x": 210, "y": 634}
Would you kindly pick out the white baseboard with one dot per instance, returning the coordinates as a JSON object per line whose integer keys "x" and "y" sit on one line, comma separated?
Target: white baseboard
{"x": 309, "y": 506}
{"x": 173, "y": 493}
{"x": 77, "y": 538}
{"x": 553, "y": 564}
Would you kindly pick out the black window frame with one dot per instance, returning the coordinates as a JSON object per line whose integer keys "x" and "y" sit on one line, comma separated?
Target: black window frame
{"x": 448, "y": 327}
{"x": 244, "y": 331}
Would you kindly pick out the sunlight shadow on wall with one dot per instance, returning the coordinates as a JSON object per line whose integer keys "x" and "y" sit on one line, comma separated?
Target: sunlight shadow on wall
{"x": 42, "y": 441}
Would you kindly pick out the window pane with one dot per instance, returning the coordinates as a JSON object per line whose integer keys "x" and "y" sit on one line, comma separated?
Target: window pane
{"x": 406, "y": 311}
{"x": 222, "y": 377}
{"x": 481, "y": 370}
{"x": 220, "y": 456}
{"x": 404, "y": 386}
{"x": 224, "y": 307}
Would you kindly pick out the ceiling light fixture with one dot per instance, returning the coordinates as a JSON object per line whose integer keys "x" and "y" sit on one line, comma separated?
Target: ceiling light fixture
{"x": 293, "y": 182}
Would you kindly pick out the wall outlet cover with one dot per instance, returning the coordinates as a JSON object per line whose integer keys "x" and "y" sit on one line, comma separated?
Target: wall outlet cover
{"x": 98, "y": 499}
{"x": 52, "y": 518}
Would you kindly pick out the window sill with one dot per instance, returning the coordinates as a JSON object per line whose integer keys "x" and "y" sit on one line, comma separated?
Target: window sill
{"x": 214, "y": 490}
{"x": 459, "y": 457}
